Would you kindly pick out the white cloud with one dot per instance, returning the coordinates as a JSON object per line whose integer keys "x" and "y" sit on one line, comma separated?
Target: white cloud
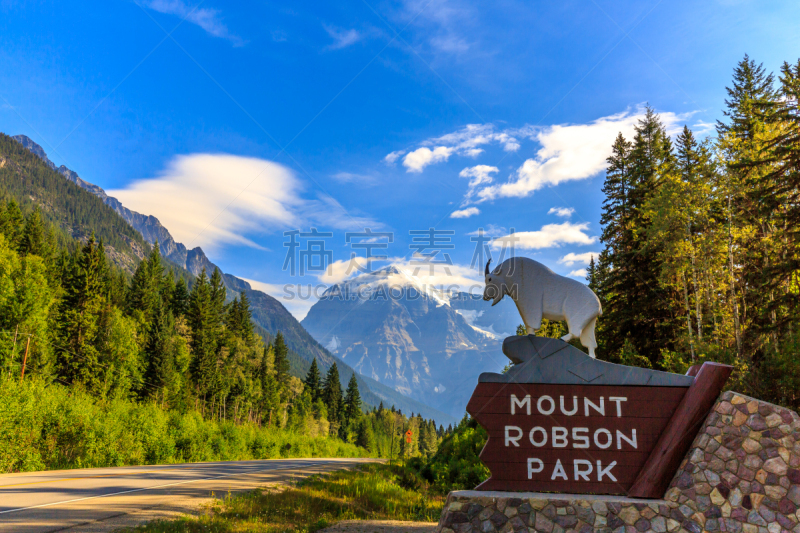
{"x": 564, "y": 212}
{"x": 455, "y": 276}
{"x": 465, "y": 213}
{"x": 464, "y": 142}
{"x": 393, "y": 156}
{"x": 450, "y": 43}
{"x": 339, "y": 271}
{"x": 490, "y": 231}
{"x": 422, "y": 157}
{"x": 474, "y": 135}
{"x": 572, "y": 258}
{"x": 206, "y": 18}
{"x": 342, "y": 38}
{"x": 569, "y": 152}
{"x": 701, "y": 128}
{"x": 550, "y": 236}
{"x": 581, "y": 273}
{"x": 350, "y": 177}
{"x": 211, "y": 200}
{"x": 478, "y": 175}
{"x": 446, "y": 26}
{"x": 298, "y": 307}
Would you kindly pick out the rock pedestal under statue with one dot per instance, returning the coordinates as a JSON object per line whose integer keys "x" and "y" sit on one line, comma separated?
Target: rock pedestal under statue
{"x": 740, "y": 474}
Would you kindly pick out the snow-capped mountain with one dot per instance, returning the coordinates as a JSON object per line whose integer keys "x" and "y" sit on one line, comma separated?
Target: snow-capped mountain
{"x": 418, "y": 339}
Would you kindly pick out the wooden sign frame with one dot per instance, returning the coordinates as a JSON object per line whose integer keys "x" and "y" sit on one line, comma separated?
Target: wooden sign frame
{"x": 623, "y": 435}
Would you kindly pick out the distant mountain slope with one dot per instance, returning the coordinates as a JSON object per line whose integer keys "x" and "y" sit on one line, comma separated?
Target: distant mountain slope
{"x": 425, "y": 344}
{"x": 34, "y": 181}
{"x": 269, "y": 315}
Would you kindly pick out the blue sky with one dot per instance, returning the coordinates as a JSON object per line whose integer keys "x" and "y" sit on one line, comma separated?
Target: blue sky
{"x": 233, "y": 122}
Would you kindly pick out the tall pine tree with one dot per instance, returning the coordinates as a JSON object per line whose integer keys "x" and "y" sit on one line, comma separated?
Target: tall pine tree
{"x": 281, "y": 365}
{"x": 637, "y": 307}
{"x": 83, "y": 302}
{"x": 313, "y": 381}
{"x": 352, "y": 401}
{"x": 332, "y": 397}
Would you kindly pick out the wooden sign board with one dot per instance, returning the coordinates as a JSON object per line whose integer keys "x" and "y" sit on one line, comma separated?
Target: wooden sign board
{"x": 569, "y": 438}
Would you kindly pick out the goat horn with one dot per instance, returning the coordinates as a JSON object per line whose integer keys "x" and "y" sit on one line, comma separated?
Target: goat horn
{"x": 486, "y": 271}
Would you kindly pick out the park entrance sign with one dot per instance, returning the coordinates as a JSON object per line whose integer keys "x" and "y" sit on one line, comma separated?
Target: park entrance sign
{"x": 561, "y": 421}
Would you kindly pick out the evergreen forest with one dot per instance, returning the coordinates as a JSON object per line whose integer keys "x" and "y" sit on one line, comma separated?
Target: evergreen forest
{"x": 702, "y": 241}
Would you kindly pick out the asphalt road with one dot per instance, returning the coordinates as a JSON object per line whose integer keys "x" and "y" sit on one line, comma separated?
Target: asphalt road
{"x": 104, "y": 499}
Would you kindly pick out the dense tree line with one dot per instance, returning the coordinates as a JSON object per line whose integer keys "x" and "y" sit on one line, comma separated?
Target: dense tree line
{"x": 71, "y": 316}
{"x": 701, "y": 240}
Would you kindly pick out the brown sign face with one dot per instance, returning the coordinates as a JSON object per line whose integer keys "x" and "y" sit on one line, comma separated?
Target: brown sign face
{"x": 570, "y": 438}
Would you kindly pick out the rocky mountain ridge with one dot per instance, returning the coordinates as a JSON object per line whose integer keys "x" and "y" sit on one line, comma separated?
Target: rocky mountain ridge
{"x": 269, "y": 314}
{"x": 412, "y": 337}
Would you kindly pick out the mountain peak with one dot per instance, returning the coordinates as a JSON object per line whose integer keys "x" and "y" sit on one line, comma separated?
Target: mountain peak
{"x": 34, "y": 148}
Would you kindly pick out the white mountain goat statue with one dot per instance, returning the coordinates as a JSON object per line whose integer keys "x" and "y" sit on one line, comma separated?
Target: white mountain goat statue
{"x": 541, "y": 293}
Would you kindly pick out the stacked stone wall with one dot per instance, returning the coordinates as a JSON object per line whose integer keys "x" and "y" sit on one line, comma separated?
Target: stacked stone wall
{"x": 742, "y": 474}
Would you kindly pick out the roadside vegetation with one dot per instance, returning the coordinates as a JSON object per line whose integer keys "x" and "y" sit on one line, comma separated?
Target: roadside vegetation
{"x": 371, "y": 492}
{"x": 45, "y": 426}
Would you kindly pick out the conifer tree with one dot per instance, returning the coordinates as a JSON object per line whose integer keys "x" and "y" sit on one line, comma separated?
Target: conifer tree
{"x": 144, "y": 296}
{"x": 167, "y": 288}
{"x": 180, "y": 298}
{"x": 281, "y": 364}
{"x": 352, "y": 401}
{"x": 245, "y": 319}
{"x": 769, "y": 164}
{"x": 81, "y": 306}
{"x": 160, "y": 373}
{"x": 270, "y": 392}
{"x": 753, "y": 210}
{"x": 239, "y": 319}
{"x": 34, "y": 239}
{"x": 217, "y": 293}
{"x": 752, "y": 90}
{"x": 637, "y": 306}
{"x": 332, "y": 394}
{"x": 313, "y": 381}
{"x": 118, "y": 289}
{"x": 204, "y": 323}
{"x": 365, "y": 436}
{"x": 11, "y": 223}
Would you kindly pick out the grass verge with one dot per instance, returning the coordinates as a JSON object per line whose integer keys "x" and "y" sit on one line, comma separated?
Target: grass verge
{"x": 371, "y": 492}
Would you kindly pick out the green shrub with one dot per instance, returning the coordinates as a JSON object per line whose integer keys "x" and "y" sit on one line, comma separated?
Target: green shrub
{"x": 456, "y": 465}
{"x": 48, "y": 426}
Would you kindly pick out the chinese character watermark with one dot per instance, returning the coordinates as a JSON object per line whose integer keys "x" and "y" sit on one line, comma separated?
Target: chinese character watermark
{"x": 315, "y": 257}
{"x": 435, "y": 241}
{"x": 368, "y": 241}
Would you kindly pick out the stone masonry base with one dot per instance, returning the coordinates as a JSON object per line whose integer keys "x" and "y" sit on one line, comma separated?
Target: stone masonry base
{"x": 742, "y": 474}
